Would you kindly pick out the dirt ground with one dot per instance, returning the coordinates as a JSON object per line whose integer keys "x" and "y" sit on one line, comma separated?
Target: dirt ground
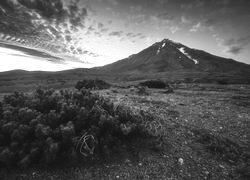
{"x": 203, "y": 130}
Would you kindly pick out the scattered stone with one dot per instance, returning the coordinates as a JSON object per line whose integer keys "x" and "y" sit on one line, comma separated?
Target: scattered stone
{"x": 127, "y": 161}
{"x": 221, "y": 166}
{"x": 206, "y": 172}
{"x": 181, "y": 161}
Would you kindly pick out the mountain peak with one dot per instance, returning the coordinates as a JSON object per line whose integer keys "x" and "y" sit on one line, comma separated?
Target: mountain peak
{"x": 168, "y": 41}
{"x": 167, "y": 44}
{"x": 169, "y": 56}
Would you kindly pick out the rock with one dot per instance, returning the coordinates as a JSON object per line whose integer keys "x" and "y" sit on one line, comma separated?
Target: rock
{"x": 127, "y": 161}
{"x": 181, "y": 161}
{"x": 206, "y": 172}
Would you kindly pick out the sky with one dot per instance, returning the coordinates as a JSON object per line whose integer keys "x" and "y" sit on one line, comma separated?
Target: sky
{"x": 89, "y": 33}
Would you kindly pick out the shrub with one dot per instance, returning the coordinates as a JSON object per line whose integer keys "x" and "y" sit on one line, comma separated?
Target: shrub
{"x": 169, "y": 91}
{"x": 222, "y": 82}
{"x": 141, "y": 90}
{"x": 154, "y": 84}
{"x": 92, "y": 84}
{"x": 47, "y": 125}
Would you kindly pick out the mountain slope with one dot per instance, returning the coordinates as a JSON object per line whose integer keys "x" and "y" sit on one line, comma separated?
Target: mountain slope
{"x": 166, "y": 56}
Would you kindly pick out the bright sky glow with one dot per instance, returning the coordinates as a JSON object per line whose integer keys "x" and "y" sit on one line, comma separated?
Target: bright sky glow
{"x": 12, "y": 59}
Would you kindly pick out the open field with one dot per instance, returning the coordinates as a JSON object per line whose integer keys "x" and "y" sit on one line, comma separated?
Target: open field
{"x": 203, "y": 133}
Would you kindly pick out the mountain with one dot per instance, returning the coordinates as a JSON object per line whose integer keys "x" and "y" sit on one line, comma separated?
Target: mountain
{"x": 166, "y": 60}
{"x": 167, "y": 56}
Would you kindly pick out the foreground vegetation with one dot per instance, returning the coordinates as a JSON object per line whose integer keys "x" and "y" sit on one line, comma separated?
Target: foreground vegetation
{"x": 47, "y": 125}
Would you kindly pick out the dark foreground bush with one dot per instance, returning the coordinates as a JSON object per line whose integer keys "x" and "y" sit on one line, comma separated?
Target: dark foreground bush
{"x": 92, "y": 84}
{"x": 222, "y": 82}
{"x": 47, "y": 125}
{"x": 154, "y": 84}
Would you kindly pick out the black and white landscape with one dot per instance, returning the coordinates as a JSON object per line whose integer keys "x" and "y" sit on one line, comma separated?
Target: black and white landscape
{"x": 124, "y": 89}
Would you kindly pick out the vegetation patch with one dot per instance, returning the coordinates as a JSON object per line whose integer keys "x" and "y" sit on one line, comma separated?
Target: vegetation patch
{"x": 46, "y": 126}
{"x": 221, "y": 147}
{"x": 92, "y": 84}
{"x": 241, "y": 100}
{"x": 226, "y": 150}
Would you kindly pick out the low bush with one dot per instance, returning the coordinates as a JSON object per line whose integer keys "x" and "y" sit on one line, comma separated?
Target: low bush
{"x": 141, "y": 90}
{"x": 222, "y": 82}
{"x": 92, "y": 84}
{"x": 154, "y": 84}
{"x": 47, "y": 125}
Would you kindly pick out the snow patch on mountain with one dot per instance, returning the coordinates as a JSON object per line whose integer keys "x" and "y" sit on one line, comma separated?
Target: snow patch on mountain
{"x": 160, "y": 47}
{"x": 182, "y": 50}
{"x": 158, "y": 51}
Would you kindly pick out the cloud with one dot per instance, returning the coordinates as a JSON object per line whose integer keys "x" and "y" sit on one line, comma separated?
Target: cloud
{"x": 101, "y": 28}
{"x": 100, "y": 25}
{"x": 143, "y": 37}
{"x": 113, "y": 2}
{"x": 196, "y": 27}
{"x": 43, "y": 24}
{"x": 137, "y": 15}
{"x": 68, "y": 38}
{"x": 79, "y": 51}
{"x": 174, "y": 29}
{"x": 185, "y": 20}
{"x": 91, "y": 28}
{"x": 235, "y": 46}
{"x": 132, "y": 36}
{"x": 235, "y": 49}
{"x": 86, "y": 52}
{"x": 48, "y": 9}
{"x": 116, "y": 33}
{"x": 104, "y": 30}
{"x": 204, "y": 25}
{"x": 165, "y": 16}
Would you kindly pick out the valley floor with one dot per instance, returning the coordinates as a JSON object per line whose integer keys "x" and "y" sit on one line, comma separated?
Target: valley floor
{"x": 204, "y": 129}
